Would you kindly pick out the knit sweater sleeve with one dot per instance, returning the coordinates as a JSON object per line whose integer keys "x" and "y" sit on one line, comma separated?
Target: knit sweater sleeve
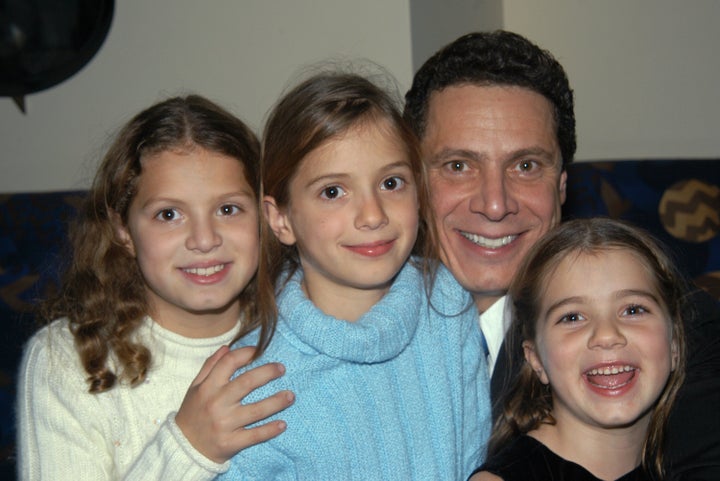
{"x": 170, "y": 456}
{"x": 58, "y": 436}
{"x": 451, "y": 298}
{"x": 63, "y": 429}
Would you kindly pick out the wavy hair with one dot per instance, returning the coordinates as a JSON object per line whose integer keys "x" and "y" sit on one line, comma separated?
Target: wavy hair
{"x": 103, "y": 293}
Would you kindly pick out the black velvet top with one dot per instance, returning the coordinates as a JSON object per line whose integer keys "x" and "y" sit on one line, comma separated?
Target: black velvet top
{"x": 527, "y": 459}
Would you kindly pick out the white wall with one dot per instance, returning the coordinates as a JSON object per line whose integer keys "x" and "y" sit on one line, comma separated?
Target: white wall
{"x": 241, "y": 53}
{"x": 645, "y": 72}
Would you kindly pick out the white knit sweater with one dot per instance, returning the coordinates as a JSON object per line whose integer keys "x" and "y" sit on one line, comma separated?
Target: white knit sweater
{"x": 66, "y": 433}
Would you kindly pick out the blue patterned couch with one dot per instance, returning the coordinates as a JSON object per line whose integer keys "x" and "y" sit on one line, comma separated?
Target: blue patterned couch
{"x": 679, "y": 201}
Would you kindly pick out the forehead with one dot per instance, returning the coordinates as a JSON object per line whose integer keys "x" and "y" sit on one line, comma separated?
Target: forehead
{"x": 468, "y": 111}
{"x": 597, "y": 270}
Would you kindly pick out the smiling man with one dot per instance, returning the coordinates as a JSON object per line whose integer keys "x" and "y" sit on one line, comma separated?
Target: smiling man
{"x": 495, "y": 117}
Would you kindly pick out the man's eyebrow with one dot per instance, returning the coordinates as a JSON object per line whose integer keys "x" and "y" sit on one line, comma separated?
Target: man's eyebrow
{"x": 447, "y": 154}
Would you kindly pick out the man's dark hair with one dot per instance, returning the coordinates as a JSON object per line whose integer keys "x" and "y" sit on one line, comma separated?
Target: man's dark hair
{"x": 495, "y": 58}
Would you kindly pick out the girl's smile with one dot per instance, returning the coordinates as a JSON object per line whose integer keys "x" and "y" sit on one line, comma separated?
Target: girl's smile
{"x": 192, "y": 227}
{"x": 353, "y": 215}
{"x": 603, "y": 339}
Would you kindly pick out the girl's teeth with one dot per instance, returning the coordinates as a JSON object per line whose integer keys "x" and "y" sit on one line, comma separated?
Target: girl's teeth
{"x": 610, "y": 370}
{"x": 205, "y": 271}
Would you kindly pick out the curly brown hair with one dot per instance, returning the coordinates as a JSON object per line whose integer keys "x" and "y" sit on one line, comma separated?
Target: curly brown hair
{"x": 103, "y": 293}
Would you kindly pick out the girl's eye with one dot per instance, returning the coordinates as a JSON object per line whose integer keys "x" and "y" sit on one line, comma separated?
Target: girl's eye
{"x": 229, "y": 209}
{"x": 167, "y": 215}
{"x": 570, "y": 317}
{"x": 332, "y": 192}
{"x": 393, "y": 183}
{"x": 634, "y": 310}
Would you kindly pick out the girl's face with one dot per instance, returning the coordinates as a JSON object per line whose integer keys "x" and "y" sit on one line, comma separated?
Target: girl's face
{"x": 353, "y": 214}
{"x": 193, "y": 228}
{"x": 604, "y": 340}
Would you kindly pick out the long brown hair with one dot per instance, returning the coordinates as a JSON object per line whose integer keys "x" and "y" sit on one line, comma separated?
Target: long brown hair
{"x": 319, "y": 109}
{"x": 103, "y": 293}
{"x": 528, "y": 403}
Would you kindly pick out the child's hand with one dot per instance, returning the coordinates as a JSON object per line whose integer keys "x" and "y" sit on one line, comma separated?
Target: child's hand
{"x": 211, "y": 416}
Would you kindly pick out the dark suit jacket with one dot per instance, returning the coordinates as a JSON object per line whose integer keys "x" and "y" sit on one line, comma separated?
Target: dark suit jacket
{"x": 692, "y": 438}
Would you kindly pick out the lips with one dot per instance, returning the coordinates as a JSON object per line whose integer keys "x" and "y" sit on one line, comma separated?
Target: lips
{"x": 208, "y": 274}
{"x": 488, "y": 242}
{"x": 374, "y": 249}
{"x": 611, "y": 378}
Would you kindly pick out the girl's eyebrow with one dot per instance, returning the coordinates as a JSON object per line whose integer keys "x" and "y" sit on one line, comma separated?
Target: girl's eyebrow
{"x": 563, "y": 302}
{"x": 332, "y": 176}
{"x": 637, "y": 292}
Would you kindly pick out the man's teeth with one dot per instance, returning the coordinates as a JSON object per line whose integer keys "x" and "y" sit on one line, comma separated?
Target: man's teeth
{"x": 205, "y": 271}
{"x": 610, "y": 370}
{"x": 487, "y": 242}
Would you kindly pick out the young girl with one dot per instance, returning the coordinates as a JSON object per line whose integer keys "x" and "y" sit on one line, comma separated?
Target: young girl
{"x": 597, "y": 315}
{"x": 390, "y": 380}
{"x": 162, "y": 276}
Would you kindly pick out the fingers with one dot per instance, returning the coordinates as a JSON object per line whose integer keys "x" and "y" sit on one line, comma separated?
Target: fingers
{"x": 260, "y": 434}
{"x": 252, "y": 413}
{"x": 209, "y": 364}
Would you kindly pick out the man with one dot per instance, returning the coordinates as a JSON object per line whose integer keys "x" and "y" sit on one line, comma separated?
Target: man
{"x": 495, "y": 117}
{"x": 496, "y": 134}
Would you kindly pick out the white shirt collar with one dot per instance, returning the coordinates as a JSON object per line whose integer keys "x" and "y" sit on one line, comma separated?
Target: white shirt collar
{"x": 494, "y": 323}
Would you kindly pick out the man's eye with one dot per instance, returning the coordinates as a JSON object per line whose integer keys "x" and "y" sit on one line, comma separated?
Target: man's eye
{"x": 456, "y": 166}
{"x": 526, "y": 165}
{"x": 332, "y": 192}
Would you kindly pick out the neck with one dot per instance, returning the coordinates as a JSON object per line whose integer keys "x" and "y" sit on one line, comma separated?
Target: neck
{"x": 348, "y": 304}
{"x": 197, "y": 324}
{"x": 607, "y": 453}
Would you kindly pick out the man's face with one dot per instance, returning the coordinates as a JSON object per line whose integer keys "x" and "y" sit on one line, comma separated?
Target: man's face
{"x": 496, "y": 181}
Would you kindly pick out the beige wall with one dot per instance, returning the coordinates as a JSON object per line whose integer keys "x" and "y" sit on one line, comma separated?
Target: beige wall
{"x": 644, "y": 71}
{"x": 241, "y": 53}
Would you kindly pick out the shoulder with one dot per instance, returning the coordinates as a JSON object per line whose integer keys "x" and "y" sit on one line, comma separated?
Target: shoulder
{"x": 52, "y": 343}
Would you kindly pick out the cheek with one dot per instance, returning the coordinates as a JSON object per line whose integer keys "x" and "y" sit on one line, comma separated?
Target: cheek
{"x": 444, "y": 196}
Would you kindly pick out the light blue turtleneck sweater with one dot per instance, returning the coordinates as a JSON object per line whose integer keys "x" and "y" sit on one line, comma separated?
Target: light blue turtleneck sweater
{"x": 400, "y": 394}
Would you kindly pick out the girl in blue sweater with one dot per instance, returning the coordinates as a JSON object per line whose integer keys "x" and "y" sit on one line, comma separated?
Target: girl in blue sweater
{"x": 382, "y": 350}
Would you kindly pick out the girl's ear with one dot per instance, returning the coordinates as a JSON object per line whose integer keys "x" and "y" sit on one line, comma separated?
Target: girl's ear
{"x": 673, "y": 354}
{"x": 531, "y": 356}
{"x": 122, "y": 232}
{"x": 278, "y": 220}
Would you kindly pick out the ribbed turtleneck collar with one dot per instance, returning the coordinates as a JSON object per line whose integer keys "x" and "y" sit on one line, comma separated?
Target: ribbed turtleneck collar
{"x": 381, "y": 334}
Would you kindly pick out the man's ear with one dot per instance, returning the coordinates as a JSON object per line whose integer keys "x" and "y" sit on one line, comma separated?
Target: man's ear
{"x": 531, "y": 356}
{"x": 278, "y": 220}
{"x": 122, "y": 232}
{"x": 562, "y": 187}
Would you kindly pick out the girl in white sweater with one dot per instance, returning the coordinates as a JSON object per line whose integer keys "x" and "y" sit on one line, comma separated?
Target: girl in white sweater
{"x": 162, "y": 277}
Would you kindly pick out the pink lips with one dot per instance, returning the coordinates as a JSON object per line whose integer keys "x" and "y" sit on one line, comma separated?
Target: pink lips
{"x": 374, "y": 249}
{"x": 611, "y": 380}
{"x": 208, "y": 274}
